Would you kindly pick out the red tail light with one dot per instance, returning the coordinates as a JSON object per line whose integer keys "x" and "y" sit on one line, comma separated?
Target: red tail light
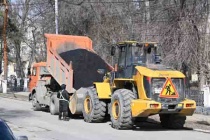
{"x": 154, "y": 105}
{"x": 189, "y": 105}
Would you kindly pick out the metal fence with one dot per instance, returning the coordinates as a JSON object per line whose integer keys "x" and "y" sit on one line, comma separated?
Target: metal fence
{"x": 14, "y": 85}
{"x": 196, "y": 95}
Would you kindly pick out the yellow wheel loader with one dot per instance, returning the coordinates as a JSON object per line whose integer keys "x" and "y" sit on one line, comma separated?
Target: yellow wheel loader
{"x": 140, "y": 86}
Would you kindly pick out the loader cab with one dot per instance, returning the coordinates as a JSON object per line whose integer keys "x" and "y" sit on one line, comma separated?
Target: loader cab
{"x": 132, "y": 53}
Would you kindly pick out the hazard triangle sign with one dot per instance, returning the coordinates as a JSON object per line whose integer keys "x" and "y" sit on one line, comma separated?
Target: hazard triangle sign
{"x": 169, "y": 90}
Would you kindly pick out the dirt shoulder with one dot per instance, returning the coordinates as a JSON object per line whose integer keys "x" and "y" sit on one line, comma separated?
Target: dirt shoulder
{"x": 197, "y": 121}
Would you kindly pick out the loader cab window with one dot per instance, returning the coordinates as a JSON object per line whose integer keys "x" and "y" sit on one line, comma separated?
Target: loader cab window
{"x": 146, "y": 54}
{"x": 138, "y": 55}
{"x": 125, "y": 61}
{"x": 129, "y": 56}
{"x": 129, "y": 62}
{"x": 121, "y": 61}
{"x": 125, "y": 58}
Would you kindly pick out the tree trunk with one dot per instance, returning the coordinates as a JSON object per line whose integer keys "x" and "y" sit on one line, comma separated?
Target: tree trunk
{"x": 19, "y": 66}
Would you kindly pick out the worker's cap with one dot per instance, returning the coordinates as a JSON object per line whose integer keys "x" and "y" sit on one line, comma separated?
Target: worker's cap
{"x": 63, "y": 86}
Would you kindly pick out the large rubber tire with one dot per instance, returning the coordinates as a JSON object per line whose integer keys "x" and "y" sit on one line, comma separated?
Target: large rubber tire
{"x": 121, "y": 115}
{"x": 172, "y": 121}
{"x": 35, "y": 104}
{"x": 54, "y": 105}
{"x": 94, "y": 110}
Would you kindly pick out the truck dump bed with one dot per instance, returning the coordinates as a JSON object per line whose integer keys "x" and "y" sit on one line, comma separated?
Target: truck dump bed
{"x": 71, "y": 60}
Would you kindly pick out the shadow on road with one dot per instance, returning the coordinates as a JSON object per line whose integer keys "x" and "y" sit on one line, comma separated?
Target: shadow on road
{"x": 153, "y": 125}
{"x": 147, "y": 126}
{"x": 4, "y": 113}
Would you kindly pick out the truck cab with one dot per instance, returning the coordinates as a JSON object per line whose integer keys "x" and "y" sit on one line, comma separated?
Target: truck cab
{"x": 35, "y": 73}
{"x": 43, "y": 88}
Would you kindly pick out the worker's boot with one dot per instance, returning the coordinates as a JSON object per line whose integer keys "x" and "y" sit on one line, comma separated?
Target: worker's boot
{"x": 60, "y": 116}
{"x": 65, "y": 116}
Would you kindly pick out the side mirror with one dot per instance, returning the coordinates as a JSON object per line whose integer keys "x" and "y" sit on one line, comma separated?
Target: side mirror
{"x": 29, "y": 72}
{"x": 113, "y": 49}
{"x": 22, "y": 138}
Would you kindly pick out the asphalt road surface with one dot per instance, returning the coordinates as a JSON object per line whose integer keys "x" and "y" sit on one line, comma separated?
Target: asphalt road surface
{"x": 43, "y": 126}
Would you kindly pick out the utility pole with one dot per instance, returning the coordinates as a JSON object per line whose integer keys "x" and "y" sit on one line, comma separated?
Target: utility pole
{"x": 1, "y": 55}
{"x": 5, "y": 39}
{"x": 56, "y": 16}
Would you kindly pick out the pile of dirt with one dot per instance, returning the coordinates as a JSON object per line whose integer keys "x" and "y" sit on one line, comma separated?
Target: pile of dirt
{"x": 85, "y": 65}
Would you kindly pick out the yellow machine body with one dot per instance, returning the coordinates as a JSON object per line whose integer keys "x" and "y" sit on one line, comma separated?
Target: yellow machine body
{"x": 144, "y": 106}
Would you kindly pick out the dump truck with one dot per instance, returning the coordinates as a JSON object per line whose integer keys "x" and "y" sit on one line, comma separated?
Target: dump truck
{"x": 137, "y": 87}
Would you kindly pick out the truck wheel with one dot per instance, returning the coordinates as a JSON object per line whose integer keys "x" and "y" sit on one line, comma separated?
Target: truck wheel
{"x": 93, "y": 109}
{"x": 121, "y": 116}
{"x": 35, "y": 104}
{"x": 172, "y": 121}
{"x": 54, "y": 109}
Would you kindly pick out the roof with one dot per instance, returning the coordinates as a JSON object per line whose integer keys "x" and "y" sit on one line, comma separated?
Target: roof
{"x": 126, "y": 42}
{"x": 159, "y": 72}
{"x": 39, "y": 64}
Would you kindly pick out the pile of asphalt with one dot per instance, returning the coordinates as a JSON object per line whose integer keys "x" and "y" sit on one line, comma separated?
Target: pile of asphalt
{"x": 85, "y": 65}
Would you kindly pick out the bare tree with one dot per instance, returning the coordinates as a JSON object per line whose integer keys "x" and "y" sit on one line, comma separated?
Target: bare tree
{"x": 180, "y": 26}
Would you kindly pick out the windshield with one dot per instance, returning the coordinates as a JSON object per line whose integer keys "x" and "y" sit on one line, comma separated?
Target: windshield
{"x": 122, "y": 57}
{"x": 138, "y": 55}
{"x": 44, "y": 71}
{"x": 5, "y": 132}
{"x": 146, "y": 55}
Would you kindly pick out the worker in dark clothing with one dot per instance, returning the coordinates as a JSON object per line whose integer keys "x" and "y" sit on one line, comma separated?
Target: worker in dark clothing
{"x": 63, "y": 97}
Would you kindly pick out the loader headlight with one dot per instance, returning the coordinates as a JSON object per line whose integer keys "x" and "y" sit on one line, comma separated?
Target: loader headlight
{"x": 179, "y": 105}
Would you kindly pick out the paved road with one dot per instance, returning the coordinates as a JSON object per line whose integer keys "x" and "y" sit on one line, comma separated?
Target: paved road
{"x": 43, "y": 126}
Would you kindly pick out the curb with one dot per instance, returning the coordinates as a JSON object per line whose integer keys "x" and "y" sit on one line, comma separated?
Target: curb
{"x": 201, "y": 130}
